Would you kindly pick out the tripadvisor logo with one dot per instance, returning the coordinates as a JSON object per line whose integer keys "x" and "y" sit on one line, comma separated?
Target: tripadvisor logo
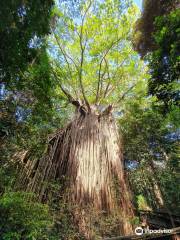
{"x": 140, "y": 231}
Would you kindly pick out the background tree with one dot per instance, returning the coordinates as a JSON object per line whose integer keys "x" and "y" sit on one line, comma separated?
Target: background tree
{"x": 151, "y": 155}
{"x": 25, "y": 80}
{"x": 23, "y": 25}
{"x": 143, "y": 40}
{"x": 27, "y": 98}
{"x": 164, "y": 62}
{"x": 156, "y": 37}
{"x": 26, "y": 110}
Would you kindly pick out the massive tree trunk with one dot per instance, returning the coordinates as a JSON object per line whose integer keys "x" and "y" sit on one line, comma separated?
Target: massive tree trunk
{"x": 86, "y": 159}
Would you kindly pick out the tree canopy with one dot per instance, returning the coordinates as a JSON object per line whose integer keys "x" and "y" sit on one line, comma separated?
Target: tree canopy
{"x": 23, "y": 25}
{"x": 92, "y": 57}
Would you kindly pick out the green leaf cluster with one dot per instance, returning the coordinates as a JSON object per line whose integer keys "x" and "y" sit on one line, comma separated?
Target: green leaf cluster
{"x": 22, "y": 217}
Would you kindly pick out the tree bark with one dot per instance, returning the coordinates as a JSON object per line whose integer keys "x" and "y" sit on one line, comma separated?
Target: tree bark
{"x": 86, "y": 159}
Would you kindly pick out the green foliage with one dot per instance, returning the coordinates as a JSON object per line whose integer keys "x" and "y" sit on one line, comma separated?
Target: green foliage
{"x": 142, "y": 203}
{"x": 7, "y": 177}
{"x": 135, "y": 221}
{"x": 22, "y": 217}
{"x": 30, "y": 106}
{"x": 92, "y": 55}
{"x": 164, "y": 62}
{"x": 143, "y": 180}
{"x": 171, "y": 190}
{"x": 23, "y": 25}
{"x": 64, "y": 223}
{"x": 28, "y": 112}
{"x": 143, "y": 40}
{"x": 157, "y": 37}
{"x": 147, "y": 138}
{"x": 24, "y": 64}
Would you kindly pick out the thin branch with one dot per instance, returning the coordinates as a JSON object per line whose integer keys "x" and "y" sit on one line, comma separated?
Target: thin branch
{"x": 65, "y": 55}
{"x": 106, "y": 70}
{"x": 100, "y": 66}
{"x": 67, "y": 79}
{"x": 107, "y": 88}
{"x": 69, "y": 97}
{"x": 107, "y": 92}
{"x": 122, "y": 63}
{"x": 66, "y": 93}
{"x": 125, "y": 93}
{"x": 82, "y": 56}
{"x": 110, "y": 90}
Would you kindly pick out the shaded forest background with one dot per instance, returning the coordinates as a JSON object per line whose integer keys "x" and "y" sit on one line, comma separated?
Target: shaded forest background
{"x": 33, "y": 108}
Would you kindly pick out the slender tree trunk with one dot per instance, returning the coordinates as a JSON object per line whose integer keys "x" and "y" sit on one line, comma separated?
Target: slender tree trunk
{"x": 86, "y": 158}
{"x": 159, "y": 197}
